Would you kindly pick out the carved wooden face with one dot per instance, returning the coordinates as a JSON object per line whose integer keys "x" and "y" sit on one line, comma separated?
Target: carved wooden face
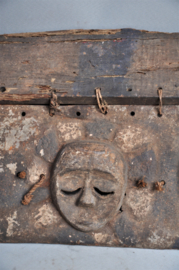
{"x": 88, "y": 184}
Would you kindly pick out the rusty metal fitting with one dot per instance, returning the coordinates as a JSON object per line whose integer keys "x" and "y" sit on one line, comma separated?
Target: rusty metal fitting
{"x": 21, "y": 175}
{"x": 53, "y": 104}
{"x": 141, "y": 183}
{"x": 159, "y": 185}
{"x": 102, "y": 104}
{"x": 160, "y": 101}
{"x": 28, "y": 197}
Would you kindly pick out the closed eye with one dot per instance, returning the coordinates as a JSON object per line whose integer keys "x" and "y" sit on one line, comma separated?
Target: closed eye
{"x": 102, "y": 193}
{"x": 70, "y": 192}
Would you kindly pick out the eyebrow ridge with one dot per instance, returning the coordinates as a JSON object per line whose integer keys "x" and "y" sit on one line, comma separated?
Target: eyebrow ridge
{"x": 68, "y": 170}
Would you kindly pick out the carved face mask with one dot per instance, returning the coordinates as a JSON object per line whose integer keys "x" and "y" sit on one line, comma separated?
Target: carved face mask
{"x": 88, "y": 184}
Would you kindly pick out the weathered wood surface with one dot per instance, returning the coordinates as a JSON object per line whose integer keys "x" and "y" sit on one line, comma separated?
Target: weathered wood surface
{"x": 150, "y": 147}
{"x": 123, "y": 63}
{"x": 79, "y": 149}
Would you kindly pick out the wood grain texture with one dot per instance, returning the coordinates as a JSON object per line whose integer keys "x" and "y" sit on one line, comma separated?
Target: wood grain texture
{"x": 123, "y": 63}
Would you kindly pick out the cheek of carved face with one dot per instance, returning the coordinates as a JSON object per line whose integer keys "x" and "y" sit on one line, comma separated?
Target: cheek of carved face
{"x": 88, "y": 199}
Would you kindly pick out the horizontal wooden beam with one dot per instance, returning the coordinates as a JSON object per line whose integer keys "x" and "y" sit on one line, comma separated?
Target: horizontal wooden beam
{"x": 44, "y": 99}
{"x": 123, "y": 63}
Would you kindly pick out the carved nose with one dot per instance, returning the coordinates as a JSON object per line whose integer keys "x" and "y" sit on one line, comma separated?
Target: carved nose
{"x": 87, "y": 199}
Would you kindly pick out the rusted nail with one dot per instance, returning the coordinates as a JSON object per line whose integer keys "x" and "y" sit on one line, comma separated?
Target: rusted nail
{"x": 28, "y": 197}
{"x": 141, "y": 183}
{"x": 159, "y": 185}
{"x": 21, "y": 175}
{"x": 53, "y": 104}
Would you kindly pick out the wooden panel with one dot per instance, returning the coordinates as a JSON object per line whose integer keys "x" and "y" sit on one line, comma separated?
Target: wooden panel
{"x": 31, "y": 141}
{"x": 103, "y": 172}
{"x": 123, "y": 63}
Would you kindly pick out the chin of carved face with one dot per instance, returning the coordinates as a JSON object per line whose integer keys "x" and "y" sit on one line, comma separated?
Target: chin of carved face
{"x": 89, "y": 184}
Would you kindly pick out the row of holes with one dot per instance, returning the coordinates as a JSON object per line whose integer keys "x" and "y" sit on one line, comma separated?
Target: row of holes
{"x": 79, "y": 114}
{"x": 132, "y": 114}
{"x": 3, "y": 89}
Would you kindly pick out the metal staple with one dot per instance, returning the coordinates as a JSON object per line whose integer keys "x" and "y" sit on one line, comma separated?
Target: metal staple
{"x": 102, "y": 104}
{"x": 160, "y": 101}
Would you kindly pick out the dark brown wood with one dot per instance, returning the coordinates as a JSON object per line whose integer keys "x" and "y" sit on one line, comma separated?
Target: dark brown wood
{"x": 123, "y": 63}
{"x": 29, "y": 99}
{"x": 44, "y": 99}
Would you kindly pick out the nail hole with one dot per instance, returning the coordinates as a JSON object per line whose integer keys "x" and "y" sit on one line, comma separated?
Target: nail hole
{"x": 160, "y": 88}
{"x": 2, "y": 89}
{"x": 23, "y": 113}
{"x": 163, "y": 182}
{"x": 129, "y": 89}
{"x": 159, "y": 115}
{"x": 121, "y": 210}
{"x": 176, "y": 85}
{"x": 78, "y": 113}
{"x": 141, "y": 183}
{"x": 21, "y": 175}
{"x": 132, "y": 113}
{"x": 125, "y": 194}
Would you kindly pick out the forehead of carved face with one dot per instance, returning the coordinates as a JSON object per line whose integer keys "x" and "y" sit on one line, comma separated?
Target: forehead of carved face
{"x": 88, "y": 184}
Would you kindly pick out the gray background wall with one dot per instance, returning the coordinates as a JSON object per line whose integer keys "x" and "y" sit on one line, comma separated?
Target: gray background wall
{"x": 50, "y": 15}
{"x": 45, "y": 15}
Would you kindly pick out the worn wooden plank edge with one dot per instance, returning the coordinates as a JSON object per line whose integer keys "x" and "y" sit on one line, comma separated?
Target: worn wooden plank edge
{"x": 86, "y": 35}
{"x": 132, "y": 78}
